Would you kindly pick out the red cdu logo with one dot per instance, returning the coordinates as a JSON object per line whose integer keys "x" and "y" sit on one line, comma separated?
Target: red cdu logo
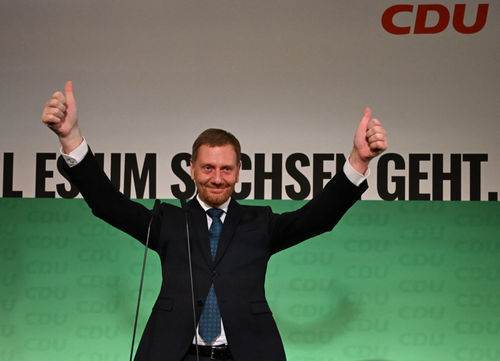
{"x": 425, "y": 11}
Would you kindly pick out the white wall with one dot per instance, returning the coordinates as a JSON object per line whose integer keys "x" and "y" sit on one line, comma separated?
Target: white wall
{"x": 284, "y": 76}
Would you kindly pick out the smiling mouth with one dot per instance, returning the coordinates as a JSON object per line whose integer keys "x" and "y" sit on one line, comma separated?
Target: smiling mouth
{"x": 216, "y": 190}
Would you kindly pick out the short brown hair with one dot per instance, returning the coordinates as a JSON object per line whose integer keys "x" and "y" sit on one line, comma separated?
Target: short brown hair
{"x": 216, "y": 138}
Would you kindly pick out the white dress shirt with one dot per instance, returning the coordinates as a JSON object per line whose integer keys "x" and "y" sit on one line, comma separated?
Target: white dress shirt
{"x": 221, "y": 339}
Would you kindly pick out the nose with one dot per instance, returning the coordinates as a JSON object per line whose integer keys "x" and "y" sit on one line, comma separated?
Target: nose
{"x": 217, "y": 177}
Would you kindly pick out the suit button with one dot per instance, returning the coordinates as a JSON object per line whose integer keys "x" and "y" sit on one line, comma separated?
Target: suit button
{"x": 214, "y": 274}
{"x": 200, "y": 303}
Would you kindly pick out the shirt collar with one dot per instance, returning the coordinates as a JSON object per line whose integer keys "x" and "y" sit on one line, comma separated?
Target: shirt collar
{"x": 224, "y": 206}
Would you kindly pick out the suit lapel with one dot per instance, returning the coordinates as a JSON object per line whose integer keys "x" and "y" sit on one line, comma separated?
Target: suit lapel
{"x": 230, "y": 224}
{"x": 199, "y": 228}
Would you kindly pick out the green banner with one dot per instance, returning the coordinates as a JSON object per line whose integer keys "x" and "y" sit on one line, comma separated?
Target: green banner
{"x": 394, "y": 281}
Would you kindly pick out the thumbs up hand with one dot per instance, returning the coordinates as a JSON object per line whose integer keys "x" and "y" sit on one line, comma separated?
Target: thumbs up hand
{"x": 369, "y": 141}
{"x": 61, "y": 116}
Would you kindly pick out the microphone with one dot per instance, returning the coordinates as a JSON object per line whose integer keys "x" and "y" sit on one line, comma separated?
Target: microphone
{"x": 156, "y": 210}
{"x": 183, "y": 204}
{"x": 184, "y": 208}
{"x": 154, "y": 214}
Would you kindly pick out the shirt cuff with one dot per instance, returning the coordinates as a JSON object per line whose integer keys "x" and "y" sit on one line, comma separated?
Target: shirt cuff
{"x": 353, "y": 175}
{"x": 77, "y": 155}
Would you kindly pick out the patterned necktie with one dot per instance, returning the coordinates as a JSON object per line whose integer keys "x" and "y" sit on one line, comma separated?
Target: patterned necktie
{"x": 210, "y": 316}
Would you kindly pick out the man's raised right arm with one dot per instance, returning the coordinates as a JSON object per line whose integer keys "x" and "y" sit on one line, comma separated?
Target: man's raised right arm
{"x": 61, "y": 116}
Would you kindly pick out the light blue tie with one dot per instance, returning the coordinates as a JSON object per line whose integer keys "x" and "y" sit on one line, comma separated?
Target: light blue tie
{"x": 210, "y": 316}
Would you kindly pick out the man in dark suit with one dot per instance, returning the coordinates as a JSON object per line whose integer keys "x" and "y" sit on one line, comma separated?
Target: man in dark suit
{"x": 231, "y": 243}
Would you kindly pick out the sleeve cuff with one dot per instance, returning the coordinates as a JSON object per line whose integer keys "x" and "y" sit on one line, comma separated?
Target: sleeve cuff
{"x": 354, "y": 176}
{"x": 77, "y": 155}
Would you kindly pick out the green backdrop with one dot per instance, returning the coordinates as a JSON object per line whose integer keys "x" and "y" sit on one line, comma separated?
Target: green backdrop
{"x": 394, "y": 281}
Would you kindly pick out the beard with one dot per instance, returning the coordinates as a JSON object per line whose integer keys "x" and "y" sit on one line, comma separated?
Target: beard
{"x": 214, "y": 196}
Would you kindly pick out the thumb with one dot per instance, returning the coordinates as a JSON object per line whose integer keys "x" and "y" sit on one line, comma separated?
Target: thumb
{"x": 361, "y": 131}
{"x": 70, "y": 97}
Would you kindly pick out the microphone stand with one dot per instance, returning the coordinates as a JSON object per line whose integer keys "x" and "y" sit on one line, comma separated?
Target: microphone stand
{"x": 184, "y": 208}
{"x": 155, "y": 213}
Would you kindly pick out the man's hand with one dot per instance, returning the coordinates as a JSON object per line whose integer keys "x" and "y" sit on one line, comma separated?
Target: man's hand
{"x": 60, "y": 115}
{"x": 369, "y": 141}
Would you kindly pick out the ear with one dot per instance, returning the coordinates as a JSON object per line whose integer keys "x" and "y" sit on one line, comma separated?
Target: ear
{"x": 192, "y": 168}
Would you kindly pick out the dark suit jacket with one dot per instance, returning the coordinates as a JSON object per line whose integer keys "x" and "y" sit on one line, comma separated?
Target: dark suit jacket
{"x": 249, "y": 237}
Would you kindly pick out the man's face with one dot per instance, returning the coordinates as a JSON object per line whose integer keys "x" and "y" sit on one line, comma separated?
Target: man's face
{"x": 215, "y": 173}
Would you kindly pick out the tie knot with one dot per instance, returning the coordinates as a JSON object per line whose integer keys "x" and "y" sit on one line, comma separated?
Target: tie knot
{"x": 215, "y": 213}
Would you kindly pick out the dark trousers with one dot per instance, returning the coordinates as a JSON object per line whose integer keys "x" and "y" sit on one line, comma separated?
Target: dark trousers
{"x": 189, "y": 357}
